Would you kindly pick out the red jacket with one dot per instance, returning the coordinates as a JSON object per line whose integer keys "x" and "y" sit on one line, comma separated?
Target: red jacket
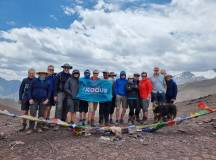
{"x": 145, "y": 88}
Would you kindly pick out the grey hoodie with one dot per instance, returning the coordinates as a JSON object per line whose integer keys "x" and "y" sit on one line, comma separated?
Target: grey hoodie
{"x": 71, "y": 87}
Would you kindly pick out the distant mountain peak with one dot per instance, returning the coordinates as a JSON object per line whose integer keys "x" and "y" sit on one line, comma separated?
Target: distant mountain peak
{"x": 187, "y": 77}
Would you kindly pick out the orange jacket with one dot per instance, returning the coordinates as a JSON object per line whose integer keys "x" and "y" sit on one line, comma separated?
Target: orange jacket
{"x": 145, "y": 88}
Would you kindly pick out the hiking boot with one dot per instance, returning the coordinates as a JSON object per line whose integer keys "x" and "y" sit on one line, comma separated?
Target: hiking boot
{"x": 138, "y": 119}
{"x": 56, "y": 128}
{"x": 145, "y": 119}
{"x": 92, "y": 123}
{"x": 45, "y": 127}
{"x": 30, "y": 131}
{"x": 111, "y": 121}
{"x": 106, "y": 124}
{"x": 83, "y": 122}
{"x": 39, "y": 130}
{"x": 117, "y": 122}
{"x": 132, "y": 121}
{"x": 23, "y": 128}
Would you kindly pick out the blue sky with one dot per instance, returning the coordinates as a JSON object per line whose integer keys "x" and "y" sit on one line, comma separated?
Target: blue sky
{"x": 50, "y": 13}
{"x": 130, "y": 35}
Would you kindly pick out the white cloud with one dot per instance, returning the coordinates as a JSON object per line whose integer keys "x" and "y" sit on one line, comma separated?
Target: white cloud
{"x": 179, "y": 36}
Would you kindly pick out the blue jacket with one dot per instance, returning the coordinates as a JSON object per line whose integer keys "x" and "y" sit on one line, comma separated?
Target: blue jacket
{"x": 172, "y": 90}
{"x": 40, "y": 90}
{"x": 61, "y": 79}
{"x": 120, "y": 87}
{"x": 52, "y": 81}
{"x": 24, "y": 89}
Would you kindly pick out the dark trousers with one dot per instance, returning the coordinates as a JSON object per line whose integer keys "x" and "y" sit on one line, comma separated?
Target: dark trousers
{"x": 104, "y": 111}
{"x": 38, "y": 106}
{"x": 138, "y": 108}
{"x": 113, "y": 104}
{"x": 133, "y": 104}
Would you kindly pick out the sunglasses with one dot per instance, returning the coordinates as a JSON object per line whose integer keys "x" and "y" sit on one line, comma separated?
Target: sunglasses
{"x": 51, "y": 69}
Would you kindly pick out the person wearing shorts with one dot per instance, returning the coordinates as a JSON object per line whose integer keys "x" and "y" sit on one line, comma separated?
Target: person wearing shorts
{"x": 145, "y": 89}
{"x": 93, "y": 105}
{"x": 52, "y": 80}
{"x": 121, "y": 97}
{"x": 71, "y": 89}
{"x": 83, "y": 106}
{"x": 83, "y": 109}
{"x": 23, "y": 95}
{"x": 39, "y": 95}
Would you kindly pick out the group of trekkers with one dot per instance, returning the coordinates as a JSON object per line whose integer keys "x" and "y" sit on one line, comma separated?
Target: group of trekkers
{"x": 39, "y": 93}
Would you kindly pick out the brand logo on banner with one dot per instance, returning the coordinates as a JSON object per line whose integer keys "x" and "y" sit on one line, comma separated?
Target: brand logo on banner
{"x": 95, "y": 91}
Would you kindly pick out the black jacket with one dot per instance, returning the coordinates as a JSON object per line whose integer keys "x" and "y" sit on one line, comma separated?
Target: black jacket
{"x": 132, "y": 90}
{"x": 61, "y": 79}
{"x": 24, "y": 89}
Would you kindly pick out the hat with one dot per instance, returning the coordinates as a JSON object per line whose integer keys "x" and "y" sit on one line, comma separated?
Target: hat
{"x": 122, "y": 73}
{"x": 169, "y": 75}
{"x": 106, "y": 71}
{"x": 87, "y": 71}
{"x": 42, "y": 71}
{"x": 66, "y": 65}
{"x": 95, "y": 71}
{"x": 76, "y": 71}
{"x": 163, "y": 71}
{"x": 112, "y": 74}
{"x": 130, "y": 77}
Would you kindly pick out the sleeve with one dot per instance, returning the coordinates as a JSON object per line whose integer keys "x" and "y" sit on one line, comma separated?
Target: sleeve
{"x": 57, "y": 81}
{"x": 67, "y": 87}
{"x": 116, "y": 87}
{"x": 54, "y": 86}
{"x": 164, "y": 84}
{"x": 149, "y": 87}
{"x": 31, "y": 89}
{"x": 175, "y": 89}
{"x": 49, "y": 90}
{"x": 21, "y": 89}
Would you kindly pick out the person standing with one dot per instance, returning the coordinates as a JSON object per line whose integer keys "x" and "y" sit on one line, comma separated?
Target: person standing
{"x": 137, "y": 110}
{"x": 52, "y": 80}
{"x": 83, "y": 105}
{"x": 158, "y": 89}
{"x": 93, "y": 105}
{"x": 145, "y": 89}
{"x": 104, "y": 108}
{"x": 112, "y": 76}
{"x": 39, "y": 95}
{"x": 71, "y": 89}
{"x": 172, "y": 89}
{"x": 132, "y": 98}
{"x": 24, "y": 95}
{"x": 61, "y": 79}
{"x": 121, "y": 97}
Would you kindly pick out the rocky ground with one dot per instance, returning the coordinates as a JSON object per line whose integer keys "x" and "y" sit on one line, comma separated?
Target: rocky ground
{"x": 191, "y": 140}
